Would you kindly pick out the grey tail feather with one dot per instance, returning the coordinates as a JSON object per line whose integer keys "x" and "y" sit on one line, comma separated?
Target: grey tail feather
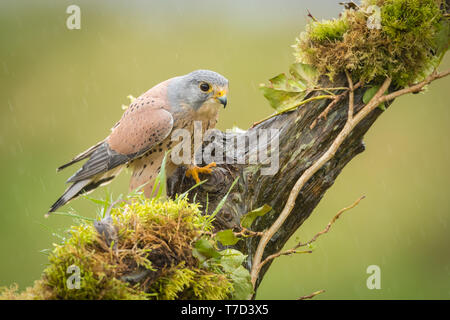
{"x": 72, "y": 192}
{"x": 76, "y": 189}
{"x": 81, "y": 156}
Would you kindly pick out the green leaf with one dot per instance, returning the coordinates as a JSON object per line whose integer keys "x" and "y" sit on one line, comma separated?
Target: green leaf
{"x": 231, "y": 259}
{"x": 222, "y": 202}
{"x": 382, "y": 107}
{"x": 304, "y": 73}
{"x": 279, "y": 82}
{"x": 280, "y": 99}
{"x": 442, "y": 38}
{"x": 287, "y": 92}
{"x": 248, "y": 218}
{"x": 138, "y": 191}
{"x": 231, "y": 263}
{"x": 160, "y": 180}
{"x": 297, "y": 86}
{"x": 206, "y": 249}
{"x": 370, "y": 93}
{"x": 227, "y": 237}
{"x": 242, "y": 284}
{"x": 184, "y": 194}
{"x": 96, "y": 201}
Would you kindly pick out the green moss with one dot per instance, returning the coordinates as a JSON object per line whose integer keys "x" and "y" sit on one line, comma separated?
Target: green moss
{"x": 328, "y": 30}
{"x": 147, "y": 252}
{"x": 407, "y": 47}
{"x": 187, "y": 283}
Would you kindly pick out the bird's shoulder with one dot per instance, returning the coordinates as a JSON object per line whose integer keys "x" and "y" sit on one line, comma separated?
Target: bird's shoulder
{"x": 140, "y": 130}
{"x": 153, "y": 99}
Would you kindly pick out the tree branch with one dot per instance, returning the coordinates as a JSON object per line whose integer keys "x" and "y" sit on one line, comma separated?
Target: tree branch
{"x": 349, "y": 125}
{"x": 310, "y": 159}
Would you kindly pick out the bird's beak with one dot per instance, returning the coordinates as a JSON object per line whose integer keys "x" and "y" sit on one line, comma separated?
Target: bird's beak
{"x": 222, "y": 98}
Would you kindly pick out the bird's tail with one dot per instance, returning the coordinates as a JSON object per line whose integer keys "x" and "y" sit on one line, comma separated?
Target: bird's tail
{"x": 71, "y": 192}
{"x": 81, "y": 156}
{"x": 78, "y": 188}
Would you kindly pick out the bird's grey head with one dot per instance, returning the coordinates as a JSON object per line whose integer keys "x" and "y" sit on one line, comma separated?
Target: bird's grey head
{"x": 197, "y": 88}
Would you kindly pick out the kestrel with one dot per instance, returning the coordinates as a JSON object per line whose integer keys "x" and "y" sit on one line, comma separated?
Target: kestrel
{"x": 142, "y": 136}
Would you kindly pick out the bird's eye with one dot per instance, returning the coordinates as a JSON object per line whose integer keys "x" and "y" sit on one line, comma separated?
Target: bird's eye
{"x": 205, "y": 87}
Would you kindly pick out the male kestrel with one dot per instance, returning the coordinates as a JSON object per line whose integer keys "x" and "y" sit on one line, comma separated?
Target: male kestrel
{"x": 142, "y": 136}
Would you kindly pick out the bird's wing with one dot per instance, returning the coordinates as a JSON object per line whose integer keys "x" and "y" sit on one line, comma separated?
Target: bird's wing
{"x": 140, "y": 128}
{"x": 81, "y": 156}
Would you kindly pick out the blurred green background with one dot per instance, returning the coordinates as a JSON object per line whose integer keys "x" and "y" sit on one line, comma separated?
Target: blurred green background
{"x": 61, "y": 90}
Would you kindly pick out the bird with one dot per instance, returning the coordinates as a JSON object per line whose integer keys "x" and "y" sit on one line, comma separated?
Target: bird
{"x": 142, "y": 136}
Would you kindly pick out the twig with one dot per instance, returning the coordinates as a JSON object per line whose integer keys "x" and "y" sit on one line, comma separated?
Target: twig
{"x": 300, "y": 244}
{"x": 415, "y": 88}
{"x": 324, "y": 113}
{"x": 348, "y": 127}
{"x": 294, "y": 107}
{"x": 327, "y": 228}
{"x": 329, "y": 154}
{"x": 247, "y": 233}
{"x": 311, "y": 16}
{"x": 312, "y": 295}
{"x": 350, "y": 5}
{"x": 279, "y": 254}
{"x": 351, "y": 95}
{"x": 350, "y": 124}
{"x": 244, "y": 232}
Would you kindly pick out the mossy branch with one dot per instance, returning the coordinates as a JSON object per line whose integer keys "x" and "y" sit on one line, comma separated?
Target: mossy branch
{"x": 320, "y": 134}
{"x": 352, "y": 121}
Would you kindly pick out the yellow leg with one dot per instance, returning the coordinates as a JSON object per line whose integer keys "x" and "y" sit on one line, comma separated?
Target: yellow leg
{"x": 193, "y": 171}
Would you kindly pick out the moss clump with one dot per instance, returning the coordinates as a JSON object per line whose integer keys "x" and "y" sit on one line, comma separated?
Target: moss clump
{"x": 328, "y": 30}
{"x": 406, "y": 47}
{"x": 145, "y": 249}
{"x": 189, "y": 283}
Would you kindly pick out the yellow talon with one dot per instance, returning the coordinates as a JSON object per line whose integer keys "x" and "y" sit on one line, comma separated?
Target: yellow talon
{"x": 193, "y": 171}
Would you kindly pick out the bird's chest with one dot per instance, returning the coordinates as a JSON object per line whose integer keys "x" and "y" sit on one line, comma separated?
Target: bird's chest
{"x": 207, "y": 114}
{"x": 188, "y": 130}
{"x": 187, "y": 135}
{"x": 197, "y": 122}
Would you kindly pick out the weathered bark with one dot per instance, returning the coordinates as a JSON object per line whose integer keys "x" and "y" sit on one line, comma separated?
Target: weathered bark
{"x": 299, "y": 147}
